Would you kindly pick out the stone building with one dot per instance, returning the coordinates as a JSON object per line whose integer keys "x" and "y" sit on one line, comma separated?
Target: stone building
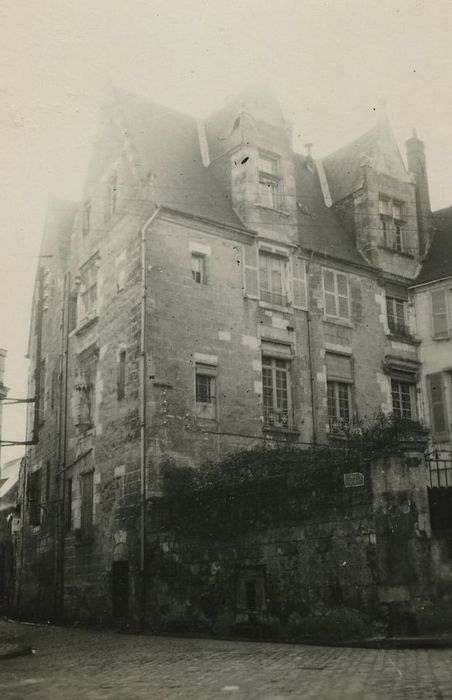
{"x": 213, "y": 290}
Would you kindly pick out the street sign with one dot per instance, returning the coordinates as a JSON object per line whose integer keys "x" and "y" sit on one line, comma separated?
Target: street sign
{"x": 353, "y": 479}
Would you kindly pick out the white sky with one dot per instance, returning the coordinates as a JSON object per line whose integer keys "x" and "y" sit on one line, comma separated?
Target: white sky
{"x": 329, "y": 61}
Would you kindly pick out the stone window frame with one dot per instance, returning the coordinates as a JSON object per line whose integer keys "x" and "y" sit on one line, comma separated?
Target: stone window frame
{"x": 337, "y": 294}
{"x": 206, "y": 390}
{"x": 277, "y": 358}
{"x": 404, "y": 387}
{"x": 393, "y": 305}
{"x": 271, "y": 179}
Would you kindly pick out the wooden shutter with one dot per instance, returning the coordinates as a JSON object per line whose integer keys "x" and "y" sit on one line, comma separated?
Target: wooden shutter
{"x": 250, "y": 275}
{"x": 342, "y": 295}
{"x": 438, "y": 408}
{"x": 329, "y": 290}
{"x": 299, "y": 297}
{"x": 439, "y": 314}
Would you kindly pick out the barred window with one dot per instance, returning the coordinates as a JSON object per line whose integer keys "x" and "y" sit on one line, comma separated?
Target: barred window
{"x": 206, "y": 385}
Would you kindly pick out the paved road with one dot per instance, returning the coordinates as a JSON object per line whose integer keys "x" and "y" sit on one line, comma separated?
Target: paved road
{"x": 74, "y": 664}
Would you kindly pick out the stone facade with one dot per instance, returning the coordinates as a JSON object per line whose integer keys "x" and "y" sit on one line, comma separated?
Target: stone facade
{"x": 213, "y": 290}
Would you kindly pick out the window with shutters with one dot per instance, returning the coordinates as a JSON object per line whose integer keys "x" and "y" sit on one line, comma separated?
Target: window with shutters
{"x": 276, "y": 385}
{"x": 403, "y": 399}
{"x": 336, "y": 295}
{"x": 34, "y": 497}
{"x": 87, "y": 504}
{"x": 206, "y": 391}
{"x": 440, "y": 314}
{"x": 339, "y": 392}
{"x": 439, "y": 421}
{"x": 273, "y": 278}
{"x": 396, "y": 313}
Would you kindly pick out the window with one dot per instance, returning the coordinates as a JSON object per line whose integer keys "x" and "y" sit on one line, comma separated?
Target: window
{"x": 88, "y": 287}
{"x": 336, "y": 295}
{"x": 34, "y": 498}
{"x": 396, "y": 315}
{"x": 276, "y": 386}
{"x": 393, "y": 225}
{"x": 122, "y": 374}
{"x": 68, "y": 505}
{"x": 402, "y": 399}
{"x": 438, "y": 407}
{"x": 198, "y": 268}
{"x": 87, "y": 504}
{"x": 85, "y": 387}
{"x": 273, "y": 278}
{"x": 338, "y": 406}
{"x": 41, "y": 383}
{"x": 339, "y": 391}
{"x": 269, "y": 182}
{"x": 86, "y": 217}
{"x": 440, "y": 319}
{"x": 206, "y": 384}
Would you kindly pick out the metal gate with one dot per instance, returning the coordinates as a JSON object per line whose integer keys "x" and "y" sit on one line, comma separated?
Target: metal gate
{"x": 439, "y": 463}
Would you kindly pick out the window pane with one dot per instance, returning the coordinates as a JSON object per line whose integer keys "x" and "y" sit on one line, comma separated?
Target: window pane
{"x": 342, "y": 284}
{"x": 343, "y": 307}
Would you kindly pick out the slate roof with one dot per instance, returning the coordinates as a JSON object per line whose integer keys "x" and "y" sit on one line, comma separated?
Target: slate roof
{"x": 319, "y": 227}
{"x": 438, "y": 263}
{"x": 168, "y": 146}
{"x": 342, "y": 168}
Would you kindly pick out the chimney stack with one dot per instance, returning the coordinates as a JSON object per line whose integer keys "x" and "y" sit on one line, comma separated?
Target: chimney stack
{"x": 415, "y": 151}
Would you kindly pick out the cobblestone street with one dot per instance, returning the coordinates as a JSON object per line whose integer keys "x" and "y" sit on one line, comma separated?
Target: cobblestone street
{"x": 74, "y": 664}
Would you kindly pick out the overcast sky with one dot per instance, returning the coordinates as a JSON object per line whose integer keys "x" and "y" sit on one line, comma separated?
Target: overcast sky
{"x": 329, "y": 61}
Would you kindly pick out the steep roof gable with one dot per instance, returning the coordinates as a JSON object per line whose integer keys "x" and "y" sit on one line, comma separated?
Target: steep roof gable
{"x": 438, "y": 263}
{"x": 165, "y": 144}
{"x": 378, "y": 145}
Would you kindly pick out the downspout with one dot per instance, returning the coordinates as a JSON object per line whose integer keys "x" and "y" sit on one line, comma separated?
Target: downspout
{"x": 143, "y": 413}
{"x": 311, "y": 366}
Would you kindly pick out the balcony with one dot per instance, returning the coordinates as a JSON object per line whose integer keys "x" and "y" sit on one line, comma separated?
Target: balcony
{"x": 277, "y": 418}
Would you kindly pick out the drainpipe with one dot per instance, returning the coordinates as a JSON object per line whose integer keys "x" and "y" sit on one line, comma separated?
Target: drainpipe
{"x": 311, "y": 364}
{"x": 143, "y": 421}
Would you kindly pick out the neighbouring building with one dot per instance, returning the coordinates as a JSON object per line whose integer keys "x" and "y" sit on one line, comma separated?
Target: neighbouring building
{"x": 433, "y": 302}
{"x": 9, "y": 484}
{"x": 213, "y": 290}
{"x": 3, "y": 394}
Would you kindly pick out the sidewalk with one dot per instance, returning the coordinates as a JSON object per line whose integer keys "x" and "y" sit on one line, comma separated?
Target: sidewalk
{"x": 13, "y": 640}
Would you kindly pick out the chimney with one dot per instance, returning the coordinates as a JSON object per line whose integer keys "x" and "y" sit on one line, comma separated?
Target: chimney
{"x": 417, "y": 168}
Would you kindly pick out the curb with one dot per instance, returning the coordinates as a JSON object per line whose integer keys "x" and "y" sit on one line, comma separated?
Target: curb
{"x": 15, "y": 650}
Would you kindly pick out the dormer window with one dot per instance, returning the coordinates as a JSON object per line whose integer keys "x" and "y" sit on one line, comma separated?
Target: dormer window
{"x": 269, "y": 182}
{"x": 393, "y": 225}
